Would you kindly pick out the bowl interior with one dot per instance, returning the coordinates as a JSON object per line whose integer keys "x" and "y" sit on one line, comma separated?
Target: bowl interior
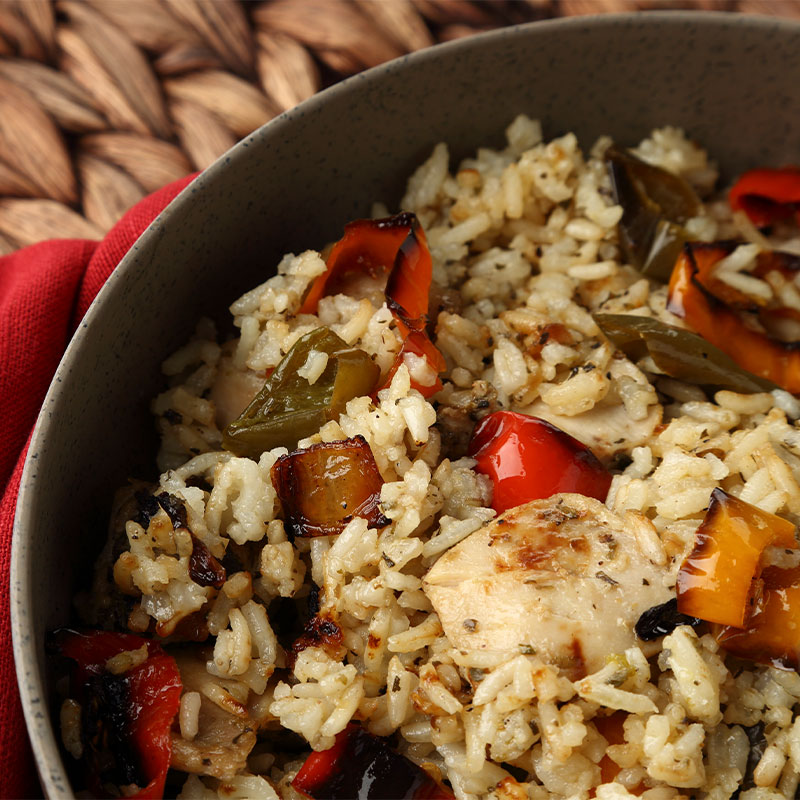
{"x": 730, "y": 81}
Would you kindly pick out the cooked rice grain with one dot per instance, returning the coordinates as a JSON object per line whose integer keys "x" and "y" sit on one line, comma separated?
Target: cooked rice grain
{"x": 528, "y": 236}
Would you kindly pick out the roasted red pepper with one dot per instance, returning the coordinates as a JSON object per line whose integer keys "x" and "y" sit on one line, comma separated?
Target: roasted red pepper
{"x": 529, "y": 459}
{"x": 418, "y": 344}
{"x": 409, "y": 284}
{"x": 768, "y": 195}
{"x": 716, "y": 581}
{"x": 691, "y": 298}
{"x": 369, "y": 246}
{"x": 394, "y": 247}
{"x": 125, "y": 718}
{"x": 322, "y": 487}
{"x": 361, "y": 766}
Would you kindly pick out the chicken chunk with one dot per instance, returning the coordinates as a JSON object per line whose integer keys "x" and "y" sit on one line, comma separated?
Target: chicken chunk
{"x": 561, "y": 577}
{"x": 233, "y": 390}
{"x": 605, "y": 429}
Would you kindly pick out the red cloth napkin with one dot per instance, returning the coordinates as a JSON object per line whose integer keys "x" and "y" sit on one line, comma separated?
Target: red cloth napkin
{"x": 45, "y": 290}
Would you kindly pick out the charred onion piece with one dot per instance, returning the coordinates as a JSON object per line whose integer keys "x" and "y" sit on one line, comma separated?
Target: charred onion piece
{"x": 125, "y": 718}
{"x": 768, "y": 195}
{"x": 320, "y": 631}
{"x": 324, "y": 486}
{"x": 361, "y": 766}
{"x": 149, "y": 505}
{"x": 772, "y": 634}
{"x": 655, "y": 204}
{"x": 289, "y": 408}
{"x": 204, "y": 569}
{"x": 678, "y": 353}
{"x": 715, "y": 582}
{"x": 763, "y": 355}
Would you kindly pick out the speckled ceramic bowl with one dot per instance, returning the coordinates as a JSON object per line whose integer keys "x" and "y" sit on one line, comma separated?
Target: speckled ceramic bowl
{"x": 731, "y": 81}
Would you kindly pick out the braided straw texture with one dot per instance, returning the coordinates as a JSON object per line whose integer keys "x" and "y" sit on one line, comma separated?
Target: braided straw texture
{"x": 104, "y": 101}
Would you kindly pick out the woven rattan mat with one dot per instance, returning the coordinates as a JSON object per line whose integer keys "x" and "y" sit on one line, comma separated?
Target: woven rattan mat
{"x": 104, "y": 101}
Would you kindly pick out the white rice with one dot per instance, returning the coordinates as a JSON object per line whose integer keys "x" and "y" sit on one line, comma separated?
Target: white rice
{"x": 528, "y": 234}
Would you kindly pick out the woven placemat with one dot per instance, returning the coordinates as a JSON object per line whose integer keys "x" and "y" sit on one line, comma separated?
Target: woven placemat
{"x": 104, "y": 101}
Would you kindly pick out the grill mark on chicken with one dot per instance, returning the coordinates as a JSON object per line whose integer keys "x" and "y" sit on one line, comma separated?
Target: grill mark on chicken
{"x": 561, "y": 575}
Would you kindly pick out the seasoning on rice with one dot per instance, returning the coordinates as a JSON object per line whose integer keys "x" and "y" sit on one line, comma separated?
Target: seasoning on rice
{"x": 325, "y": 563}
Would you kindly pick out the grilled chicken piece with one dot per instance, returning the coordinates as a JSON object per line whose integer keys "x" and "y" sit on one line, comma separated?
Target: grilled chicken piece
{"x": 561, "y": 577}
{"x": 232, "y": 391}
{"x": 605, "y": 430}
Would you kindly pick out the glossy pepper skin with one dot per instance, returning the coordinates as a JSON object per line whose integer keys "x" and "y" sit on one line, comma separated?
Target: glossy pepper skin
{"x": 771, "y": 634}
{"x": 288, "y": 408}
{"x": 361, "y": 766}
{"x": 322, "y": 487}
{"x": 126, "y": 718}
{"x": 528, "y": 459}
{"x": 679, "y": 353}
{"x": 716, "y": 580}
{"x": 768, "y": 195}
{"x": 690, "y": 298}
{"x": 394, "y": 249}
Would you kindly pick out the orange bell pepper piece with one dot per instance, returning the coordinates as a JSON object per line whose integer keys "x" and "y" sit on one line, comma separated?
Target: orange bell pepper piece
{"x": 715, "y": 582}
{"x": 772, "y": 635}
{"x": 709, "y": 316}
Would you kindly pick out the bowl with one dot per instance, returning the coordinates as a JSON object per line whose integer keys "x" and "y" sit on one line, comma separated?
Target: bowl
{"x": 729, "y": 80}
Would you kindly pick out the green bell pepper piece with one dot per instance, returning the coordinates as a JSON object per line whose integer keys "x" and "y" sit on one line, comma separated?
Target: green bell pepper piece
{"x": 289, "y": 408}
{"x": 679, "y": 353}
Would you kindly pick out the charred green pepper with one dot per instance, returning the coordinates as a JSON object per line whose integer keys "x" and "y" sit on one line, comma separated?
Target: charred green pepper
{"x": 289, "y": 407}
{"x": 655, "y": 204}
{"x": 679, "y": 353}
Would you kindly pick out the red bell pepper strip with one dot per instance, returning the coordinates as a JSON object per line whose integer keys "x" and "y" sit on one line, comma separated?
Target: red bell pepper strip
{"x": 361, "y": 766}
{"x": 395, "y": 247}
{"x": 528, "y": 459}
{"x": 409, "y": 284}
{"x": 768, "y": 195}
{"x": 418, "y": 343}
{"x": 709, "y": 316}
{"x": 131, "y": 713}
{"x": 368, "y": 245}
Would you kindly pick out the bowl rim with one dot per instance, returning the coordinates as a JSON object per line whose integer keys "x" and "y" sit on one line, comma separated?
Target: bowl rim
{"x": 33, "y": 692}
